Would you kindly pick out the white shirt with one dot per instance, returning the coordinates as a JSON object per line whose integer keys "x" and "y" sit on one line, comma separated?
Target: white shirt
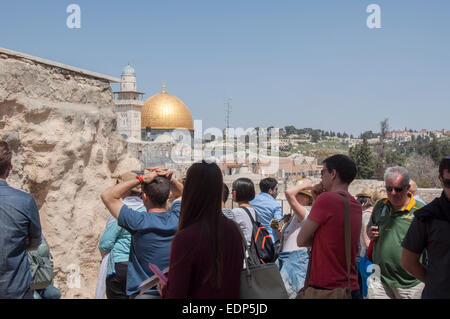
{"x": 290, "y": 234}
{"x": 240, "y": 216}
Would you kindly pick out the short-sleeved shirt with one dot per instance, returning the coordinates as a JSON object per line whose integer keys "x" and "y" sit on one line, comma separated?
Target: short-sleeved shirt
{"x": 434, "y": 236}
{"x": 240, "y": 217}
{"x": 267, "y": 208}
{"x": 151, "y": 237}
{"x": 290, "y": 234}
{"x": 387, "y": 250}
{"x": 19, "y": 219}
{"x": 116, "y": 240}
{"x": 362, "y": 241}
{"x": 329, "y": 263}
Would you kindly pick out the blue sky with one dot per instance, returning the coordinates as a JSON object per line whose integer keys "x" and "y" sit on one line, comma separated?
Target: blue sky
{"x": 307, "y": 63}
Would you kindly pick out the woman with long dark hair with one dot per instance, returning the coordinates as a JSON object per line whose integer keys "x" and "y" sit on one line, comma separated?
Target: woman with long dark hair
{"x": 206, "y": 255}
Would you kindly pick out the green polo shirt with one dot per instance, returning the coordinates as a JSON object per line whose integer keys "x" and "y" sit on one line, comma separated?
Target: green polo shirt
{"x": 387, "y": 250}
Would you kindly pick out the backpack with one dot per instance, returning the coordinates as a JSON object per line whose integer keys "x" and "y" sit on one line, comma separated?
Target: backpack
{"x": 262, "y": 249}
{"x": 41, "y": 266}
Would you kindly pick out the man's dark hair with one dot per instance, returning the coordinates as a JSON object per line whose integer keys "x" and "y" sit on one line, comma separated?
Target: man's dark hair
{"x": 245, "y": 189}
{"x": 444, "y": 165}
{"x": 226, "y": 193}
{"x": 344, "y": 166}
{"x": 5, "y": 157}
{"x": 267, "y": 184}
{"x": 158, "y": 190}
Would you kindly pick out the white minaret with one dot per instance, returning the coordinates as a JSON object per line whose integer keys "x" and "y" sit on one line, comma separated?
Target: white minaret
{"x": 129, "y": 103}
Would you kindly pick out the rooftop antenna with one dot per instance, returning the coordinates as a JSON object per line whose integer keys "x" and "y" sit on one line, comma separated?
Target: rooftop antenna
{"x": 227, "y": 114}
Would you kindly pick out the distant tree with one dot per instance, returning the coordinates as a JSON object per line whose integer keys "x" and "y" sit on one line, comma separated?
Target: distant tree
{"x": 339, "y": 135}
{"x": 384, "y": 129}
{"x": 315, "y": 136}
{"x": 445, "y": 150}
{"x": 345, "y": 135}
{"x": 364, "y": 159}
{"x": 290, "y": 130}
{"x": 395, "y": 158}
{"x": 422, "y": 169}
{"x": 368, "y": 135}
{"x": 435, "y": 152}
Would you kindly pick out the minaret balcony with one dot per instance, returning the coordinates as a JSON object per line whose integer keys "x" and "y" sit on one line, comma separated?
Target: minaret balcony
{"x": 129, "y": 102}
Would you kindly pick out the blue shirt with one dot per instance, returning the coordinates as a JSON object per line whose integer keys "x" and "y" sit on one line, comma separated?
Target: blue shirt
{"x": 117, "y": 240}
{"x": 267, "y": 208}
{"x": 19, "y": 219}
{"x": 417, "y": 197}
{"x": 151, "y": 237}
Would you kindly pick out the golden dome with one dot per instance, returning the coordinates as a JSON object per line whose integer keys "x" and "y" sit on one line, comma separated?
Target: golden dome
{"x": 164, "y": 111}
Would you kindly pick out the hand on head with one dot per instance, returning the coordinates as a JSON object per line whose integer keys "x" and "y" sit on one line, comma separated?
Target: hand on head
{"x": 154, "y": 172}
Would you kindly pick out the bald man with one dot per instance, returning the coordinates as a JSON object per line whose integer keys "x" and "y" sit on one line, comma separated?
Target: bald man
{"x": 413, "y": 191}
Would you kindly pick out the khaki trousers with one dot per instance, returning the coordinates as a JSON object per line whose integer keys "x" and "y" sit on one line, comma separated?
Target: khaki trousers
{"x": 379, "y": 290}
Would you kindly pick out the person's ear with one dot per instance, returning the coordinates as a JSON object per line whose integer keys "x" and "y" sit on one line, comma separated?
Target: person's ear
{"x": 333, "y": 173}
{"x": 8, "y": 171}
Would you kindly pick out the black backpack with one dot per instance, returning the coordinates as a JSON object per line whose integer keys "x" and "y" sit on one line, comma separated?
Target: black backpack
{"x": 262, "y": 249}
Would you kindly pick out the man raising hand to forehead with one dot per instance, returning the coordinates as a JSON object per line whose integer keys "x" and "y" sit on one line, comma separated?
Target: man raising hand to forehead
{"x": 152, "y": 231}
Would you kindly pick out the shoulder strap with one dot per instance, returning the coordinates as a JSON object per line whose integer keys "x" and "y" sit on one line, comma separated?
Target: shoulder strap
{"x": 348, "y": 237}
{"x": 248, "y": 213}
{"x": 308, "y": 271}
{"x": 244, "y": 246}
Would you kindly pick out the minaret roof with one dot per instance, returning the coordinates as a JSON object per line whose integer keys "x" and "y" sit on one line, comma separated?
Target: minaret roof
{"x": 128, "y": 70}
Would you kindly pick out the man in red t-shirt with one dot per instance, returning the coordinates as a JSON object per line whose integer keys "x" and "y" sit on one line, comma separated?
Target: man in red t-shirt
{"x": 324, "y": 227}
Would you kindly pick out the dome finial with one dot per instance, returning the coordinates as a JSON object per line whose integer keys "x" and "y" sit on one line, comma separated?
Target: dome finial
{"x": 164, "y": 87}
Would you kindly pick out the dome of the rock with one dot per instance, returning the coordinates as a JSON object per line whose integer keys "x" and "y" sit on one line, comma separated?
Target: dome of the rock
{"x": 164, "y": 111}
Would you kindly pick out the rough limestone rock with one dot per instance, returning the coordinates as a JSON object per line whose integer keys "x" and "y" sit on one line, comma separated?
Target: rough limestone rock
{"x": 62, "y": 129}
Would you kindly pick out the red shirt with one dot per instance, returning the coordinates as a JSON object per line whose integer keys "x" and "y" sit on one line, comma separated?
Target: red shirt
{"x": 190, "y": 259}
{"x": 329, "y": 267}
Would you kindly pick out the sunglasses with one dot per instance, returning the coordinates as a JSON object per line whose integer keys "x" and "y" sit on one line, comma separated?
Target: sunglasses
{"x": 323, "y": 171}
{"x": 389, "y": 189}
{"x": 446, "y": 182}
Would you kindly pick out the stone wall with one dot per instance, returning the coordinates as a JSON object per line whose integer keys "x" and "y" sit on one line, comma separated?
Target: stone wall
{"x": 62, "y": 129}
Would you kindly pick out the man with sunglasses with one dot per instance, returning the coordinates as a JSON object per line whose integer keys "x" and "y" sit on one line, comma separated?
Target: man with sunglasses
{"x": 430, "y": 232}
{"x": 388, "y": 225}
